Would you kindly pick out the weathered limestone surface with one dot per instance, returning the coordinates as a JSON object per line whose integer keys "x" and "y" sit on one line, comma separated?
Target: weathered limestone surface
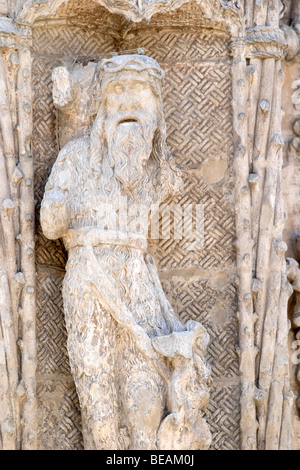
{"x": 225, "y": 64}
{"x": 291, "y": 187}
{"x": 199, "y": 284}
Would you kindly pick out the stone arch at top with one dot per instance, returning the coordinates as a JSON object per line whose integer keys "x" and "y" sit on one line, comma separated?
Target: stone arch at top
{"x": 138, "y": 11}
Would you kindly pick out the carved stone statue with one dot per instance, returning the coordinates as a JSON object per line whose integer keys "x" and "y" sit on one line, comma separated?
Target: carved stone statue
{"x": 139, "y": 372}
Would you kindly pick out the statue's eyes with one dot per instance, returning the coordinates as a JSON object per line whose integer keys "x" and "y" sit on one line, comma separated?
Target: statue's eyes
{"x": 118, "y": 89}
{"x": 138, "y": 86}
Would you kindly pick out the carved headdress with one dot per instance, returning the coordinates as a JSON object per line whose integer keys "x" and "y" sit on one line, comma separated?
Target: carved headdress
{"x": 110, "y": 68}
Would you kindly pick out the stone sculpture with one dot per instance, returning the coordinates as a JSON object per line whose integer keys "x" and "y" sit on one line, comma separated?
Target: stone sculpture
{"x": 139, "y": 372}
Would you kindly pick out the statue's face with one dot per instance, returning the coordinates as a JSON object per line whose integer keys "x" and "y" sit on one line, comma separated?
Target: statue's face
{"x": 130, "y": 99}
{"x": 131, "y": 117}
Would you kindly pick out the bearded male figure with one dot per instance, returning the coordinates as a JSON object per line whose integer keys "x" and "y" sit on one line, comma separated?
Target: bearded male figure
{"x": 139, "y": 372}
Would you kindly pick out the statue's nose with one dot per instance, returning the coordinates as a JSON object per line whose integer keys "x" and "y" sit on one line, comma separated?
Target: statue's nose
{"x": 128, "y": 106}
{"x": 128, "y": 100}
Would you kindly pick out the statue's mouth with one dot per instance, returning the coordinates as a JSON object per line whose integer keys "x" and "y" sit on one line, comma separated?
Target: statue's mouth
{"x": 128, "y": 120}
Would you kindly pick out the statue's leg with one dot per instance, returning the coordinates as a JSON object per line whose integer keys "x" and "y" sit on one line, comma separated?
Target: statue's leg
{"x": 143, "y": 394}
{"x": 91, "y": 347}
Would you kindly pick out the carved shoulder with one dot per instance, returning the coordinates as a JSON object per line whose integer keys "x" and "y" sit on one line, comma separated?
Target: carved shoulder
{"x": 73, "y": 155}
{"x": 63, "y": 180}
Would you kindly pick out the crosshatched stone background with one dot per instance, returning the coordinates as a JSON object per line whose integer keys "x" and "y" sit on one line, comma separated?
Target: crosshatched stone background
{"x": 200, "y": 283}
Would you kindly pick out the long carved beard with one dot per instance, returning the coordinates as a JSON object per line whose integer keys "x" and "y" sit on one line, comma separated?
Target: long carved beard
{"x": 129, "y": 148}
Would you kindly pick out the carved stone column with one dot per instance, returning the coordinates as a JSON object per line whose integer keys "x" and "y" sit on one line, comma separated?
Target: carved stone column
{"x": 263, "y": 286}
{"x": 17, "y": 270}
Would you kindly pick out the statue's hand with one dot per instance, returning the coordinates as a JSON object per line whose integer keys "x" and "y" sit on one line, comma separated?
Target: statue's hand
{"x": 65, "y": 88}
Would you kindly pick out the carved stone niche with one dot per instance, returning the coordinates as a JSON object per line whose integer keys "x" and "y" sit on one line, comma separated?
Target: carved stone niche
{"x": 196, "y": 96}
{"x": 222, "y": 107}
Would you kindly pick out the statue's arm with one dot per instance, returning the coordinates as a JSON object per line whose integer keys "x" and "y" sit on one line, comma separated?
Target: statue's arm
{"x": 55, "y": 207}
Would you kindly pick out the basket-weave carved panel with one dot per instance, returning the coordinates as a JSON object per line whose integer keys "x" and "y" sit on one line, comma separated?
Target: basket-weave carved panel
{"x": 199, "y": 284}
